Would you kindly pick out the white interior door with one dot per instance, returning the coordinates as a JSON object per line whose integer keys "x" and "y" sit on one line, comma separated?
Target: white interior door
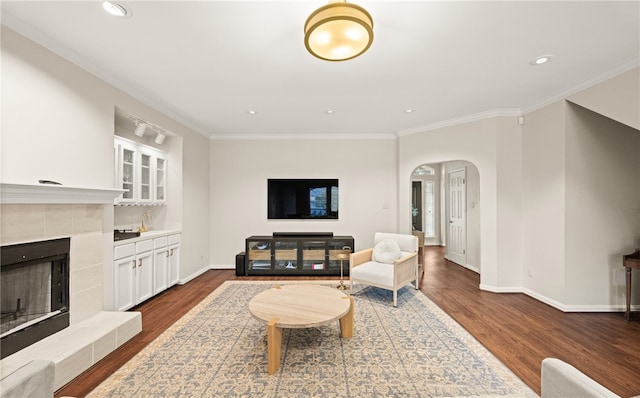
{"x": 457, "y": 209}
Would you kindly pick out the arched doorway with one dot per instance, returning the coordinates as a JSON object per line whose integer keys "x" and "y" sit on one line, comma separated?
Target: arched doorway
{"x": 445, "y": 208}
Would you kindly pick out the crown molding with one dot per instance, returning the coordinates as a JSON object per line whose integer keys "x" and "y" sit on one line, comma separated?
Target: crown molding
{"x": 302, "y": 137}
{"x": 462, "y": 120}
{"x": 625, "y": 67}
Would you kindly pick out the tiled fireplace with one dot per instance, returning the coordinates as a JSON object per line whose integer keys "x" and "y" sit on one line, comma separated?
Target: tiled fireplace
{"x": 32, "y": 213}
{"x": 82, "y": 223}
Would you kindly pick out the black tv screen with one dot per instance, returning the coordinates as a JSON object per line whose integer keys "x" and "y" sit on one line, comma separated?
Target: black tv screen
{"x": 302, "y": 199}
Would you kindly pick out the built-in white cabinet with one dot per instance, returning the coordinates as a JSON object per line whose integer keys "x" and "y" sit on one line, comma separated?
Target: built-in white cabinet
{"x": 145, "y": 267}
{"x": 174, "y": 258}
{"x": 133, "y": 265}
{"x": 160, "y": 270}
{"x": 141, "y": 171}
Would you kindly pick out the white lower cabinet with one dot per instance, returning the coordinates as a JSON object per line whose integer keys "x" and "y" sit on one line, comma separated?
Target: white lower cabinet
{"x": 160, "y": 257}
{"x": 174, "y": 259}
{"x": 134, "y": 273}
{"x": 145, "y": 268}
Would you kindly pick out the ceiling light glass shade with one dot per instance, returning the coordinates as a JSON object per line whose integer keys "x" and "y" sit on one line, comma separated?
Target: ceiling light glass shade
{"x": 338, "y": 31}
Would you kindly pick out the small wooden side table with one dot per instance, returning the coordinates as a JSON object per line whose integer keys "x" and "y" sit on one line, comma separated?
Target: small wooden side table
{"x": 630, "y": 261}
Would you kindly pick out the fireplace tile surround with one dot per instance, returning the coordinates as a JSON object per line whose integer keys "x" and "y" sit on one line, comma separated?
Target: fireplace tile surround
{"x": 93, "y": 333}
{"x": 23, "y": 223}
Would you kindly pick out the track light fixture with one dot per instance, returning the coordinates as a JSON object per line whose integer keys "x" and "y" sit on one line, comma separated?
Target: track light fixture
{"x": 140, "y": 128}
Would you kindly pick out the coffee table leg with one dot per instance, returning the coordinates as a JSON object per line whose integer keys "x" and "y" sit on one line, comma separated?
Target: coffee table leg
{"x": 274, "y": 346}
{"x": 346, "y": 322}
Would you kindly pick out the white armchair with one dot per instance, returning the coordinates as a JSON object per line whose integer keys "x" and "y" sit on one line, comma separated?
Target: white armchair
{"x": 390, "y": 276}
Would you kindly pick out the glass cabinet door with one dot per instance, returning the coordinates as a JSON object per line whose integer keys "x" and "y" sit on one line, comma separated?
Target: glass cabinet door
{"x": 259, "y": 255}
{"x": 145, "y": 177}
{"x": 286, "y": 255}
{"x": 314, "y": 256}
{"x": 160, "y": 179}
{"x": 127, "y": 173}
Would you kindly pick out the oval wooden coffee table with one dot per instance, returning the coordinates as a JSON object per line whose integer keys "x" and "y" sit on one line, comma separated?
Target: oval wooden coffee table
{"x": 299, "y": 306}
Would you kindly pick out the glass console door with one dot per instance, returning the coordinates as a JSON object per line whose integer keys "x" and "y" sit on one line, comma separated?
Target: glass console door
{"x": 286, "y": 255}
{"x": 314, "y": 255}
{"x": 259, "y": 256}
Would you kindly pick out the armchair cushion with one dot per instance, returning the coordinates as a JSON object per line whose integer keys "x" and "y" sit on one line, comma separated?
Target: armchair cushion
{"x": 386, "y": 251}
{"x": 376, "y": 273}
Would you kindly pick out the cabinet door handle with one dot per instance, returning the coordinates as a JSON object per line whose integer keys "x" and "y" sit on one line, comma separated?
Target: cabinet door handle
{"x": 134, "y": 264}
{"x": 172, "y": 252}
{"x": 140, "y": 263}
{"x": 167, "y": 253}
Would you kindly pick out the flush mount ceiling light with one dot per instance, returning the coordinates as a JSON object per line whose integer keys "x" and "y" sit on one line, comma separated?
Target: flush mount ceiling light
{"x": 338, "y": 31}
{"x": 116, "y": 9}
{"x": 543, "y": 59}
{"x": 140, "y": 128}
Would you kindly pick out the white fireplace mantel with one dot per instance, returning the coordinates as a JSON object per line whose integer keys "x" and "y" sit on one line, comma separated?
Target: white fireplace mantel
{"x": 55, "y": 194}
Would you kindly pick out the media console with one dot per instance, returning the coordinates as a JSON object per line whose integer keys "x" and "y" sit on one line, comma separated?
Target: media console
{"x": 302, "y": 253}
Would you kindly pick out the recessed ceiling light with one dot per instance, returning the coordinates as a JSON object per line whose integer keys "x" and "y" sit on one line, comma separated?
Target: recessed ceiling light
{"x": 251, "y": 112}
{"x": 543, "y": 59}
{"x": 409, "y": 110}
{"x": 116, "y": 9}
{"x": 330, "y": 111}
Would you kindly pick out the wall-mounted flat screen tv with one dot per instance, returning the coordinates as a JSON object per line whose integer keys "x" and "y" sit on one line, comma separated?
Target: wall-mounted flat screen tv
{"x": 302, "y": 199}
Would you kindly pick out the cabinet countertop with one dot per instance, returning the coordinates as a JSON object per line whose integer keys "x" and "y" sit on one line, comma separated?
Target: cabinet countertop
{"x": 145, "y": 236}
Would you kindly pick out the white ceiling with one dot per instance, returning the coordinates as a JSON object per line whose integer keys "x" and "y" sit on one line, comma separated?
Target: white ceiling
{"x": 206, "y": 63}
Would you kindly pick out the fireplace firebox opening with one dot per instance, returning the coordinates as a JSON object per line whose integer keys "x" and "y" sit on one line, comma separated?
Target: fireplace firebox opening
{"x": 34, "y": 292}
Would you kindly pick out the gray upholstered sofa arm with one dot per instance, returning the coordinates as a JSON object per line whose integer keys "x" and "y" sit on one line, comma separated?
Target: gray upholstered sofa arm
{"x": 561, "y": 380}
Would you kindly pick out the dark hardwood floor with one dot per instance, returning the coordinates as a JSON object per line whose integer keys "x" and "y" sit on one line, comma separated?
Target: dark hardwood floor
{"x": 517, "y": 329}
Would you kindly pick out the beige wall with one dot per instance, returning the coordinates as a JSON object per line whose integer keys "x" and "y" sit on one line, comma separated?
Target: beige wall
{"x": 543, "y": 198}
{"x": 239, "y": 173}
{"x": 617, "y": 98}
{"x": 602, "y": 209}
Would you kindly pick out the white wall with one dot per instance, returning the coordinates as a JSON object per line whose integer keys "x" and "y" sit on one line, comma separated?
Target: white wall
{"x": 239, "y": 173}
{"x": 543, "y": 220}
{"x": 58, "y": 124}
{"x": 602, "y": 207}
{"x": 475, "y": 142}
{"x": 57, "y": 120}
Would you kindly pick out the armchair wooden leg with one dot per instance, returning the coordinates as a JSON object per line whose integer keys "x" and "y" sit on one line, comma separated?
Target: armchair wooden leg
{"x": 395, "y": 298}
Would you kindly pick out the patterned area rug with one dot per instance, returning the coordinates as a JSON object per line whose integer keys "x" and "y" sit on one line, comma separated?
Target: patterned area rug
{"x": 219, "y": 350}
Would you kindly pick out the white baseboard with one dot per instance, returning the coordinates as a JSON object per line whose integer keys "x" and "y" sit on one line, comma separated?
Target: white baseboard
{"x": 193, "y": 276}
{"x": 558, "y": 305}
{"x": 203, "y": 270}
{"x": 222, "y": 266}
